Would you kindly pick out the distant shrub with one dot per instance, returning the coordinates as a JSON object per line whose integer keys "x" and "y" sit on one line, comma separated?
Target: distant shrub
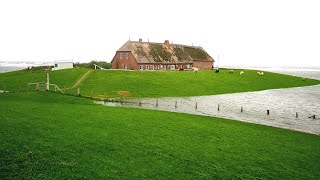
{"x": 103, "y": 64}
{"x": 38, "y": 68}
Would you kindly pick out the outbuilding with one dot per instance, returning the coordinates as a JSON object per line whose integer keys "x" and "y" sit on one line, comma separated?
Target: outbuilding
{"x": 58, "y": 65}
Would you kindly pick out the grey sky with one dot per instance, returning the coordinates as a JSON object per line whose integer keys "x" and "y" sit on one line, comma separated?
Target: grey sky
{"x": 247, "y": 32}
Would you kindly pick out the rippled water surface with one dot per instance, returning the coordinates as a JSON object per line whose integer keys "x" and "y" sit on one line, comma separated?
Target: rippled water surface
{"x": 289, "y": 108}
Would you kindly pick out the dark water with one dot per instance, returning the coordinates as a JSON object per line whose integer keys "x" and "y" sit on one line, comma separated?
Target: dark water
{"x": 283, "y": 105}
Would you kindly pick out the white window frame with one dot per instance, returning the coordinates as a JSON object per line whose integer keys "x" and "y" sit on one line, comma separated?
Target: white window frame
{"x": 188, "y": 66}
{"x": 127, "y": 55}
{"x": 141, "y": 67}
{"x": 121, "y": 55}
{"x": 152, "y": 67}
{"x": 147, "y": 67}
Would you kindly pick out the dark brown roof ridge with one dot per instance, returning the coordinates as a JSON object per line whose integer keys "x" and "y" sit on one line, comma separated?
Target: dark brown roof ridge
{"x": 163, "y": 43}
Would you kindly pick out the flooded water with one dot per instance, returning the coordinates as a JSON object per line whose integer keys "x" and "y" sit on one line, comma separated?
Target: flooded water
{"x": 289, "y": 108}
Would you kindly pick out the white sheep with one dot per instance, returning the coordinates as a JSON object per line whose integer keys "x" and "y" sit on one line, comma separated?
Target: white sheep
{"x": 194, "y": 69}
{"x": 242, "y": 72}
{"x": 260, "y": 73}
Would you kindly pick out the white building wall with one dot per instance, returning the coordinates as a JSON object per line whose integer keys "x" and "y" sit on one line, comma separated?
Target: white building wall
{"x": 62, "y": 65}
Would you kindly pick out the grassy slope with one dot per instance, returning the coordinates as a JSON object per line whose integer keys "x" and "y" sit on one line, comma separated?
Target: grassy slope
{"x": 173, "y": 83}
{"x": 46, "y": 135}
{"x": 18, "y": 80}
{"x": 156, "y": 83}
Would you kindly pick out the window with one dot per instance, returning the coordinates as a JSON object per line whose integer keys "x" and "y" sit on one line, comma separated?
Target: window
{"x": 188, "y": 66}
{"x": 127, "y": 55}
{"x": 121, "y": 54}
{"x": 141, "y": 67}
{"x": 55, "y": 65}
{"x": 152, "y": 67}
{"x": 147, "y": 67}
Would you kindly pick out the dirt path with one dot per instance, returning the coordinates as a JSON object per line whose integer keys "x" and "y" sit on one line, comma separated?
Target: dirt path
{"x": 81, "y": 79}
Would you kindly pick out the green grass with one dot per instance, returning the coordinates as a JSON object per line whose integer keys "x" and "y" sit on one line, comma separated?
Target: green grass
{"x": 154, "y": 83}
{"x": 46, "y": 135}
{"x": 174, "y": 83}
{"x": 18, "y": 80}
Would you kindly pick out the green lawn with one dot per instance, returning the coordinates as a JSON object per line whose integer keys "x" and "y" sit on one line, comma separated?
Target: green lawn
{"x": 18, "y": 80}
{"x": 155, "y": 83}
{"x": 46, "y": 135}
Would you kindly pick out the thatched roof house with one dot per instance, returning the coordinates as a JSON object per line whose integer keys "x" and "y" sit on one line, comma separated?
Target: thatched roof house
{"x": 153, "y": 56}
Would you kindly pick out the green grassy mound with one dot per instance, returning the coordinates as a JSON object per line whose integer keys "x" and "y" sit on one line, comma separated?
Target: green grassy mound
{"x": 154, "y": 83}
{"x": 47, "y": 135}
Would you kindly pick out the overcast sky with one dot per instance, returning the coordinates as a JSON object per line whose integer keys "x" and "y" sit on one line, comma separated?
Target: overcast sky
{"x": 246, "y": 32}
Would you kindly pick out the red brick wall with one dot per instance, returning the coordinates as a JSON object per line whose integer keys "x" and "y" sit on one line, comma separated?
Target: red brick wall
{"x": 203, "y": 65}
{"x": 131, "y": 62}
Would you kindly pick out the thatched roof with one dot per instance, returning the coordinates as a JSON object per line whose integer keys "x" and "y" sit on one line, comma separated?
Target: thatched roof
{"x": 148, "y": 52}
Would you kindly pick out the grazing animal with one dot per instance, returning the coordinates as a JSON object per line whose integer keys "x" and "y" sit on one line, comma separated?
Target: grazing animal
{"x": 231, "y": 71}
{"x": 242, "y": 72}
{"x": 258, "y": 73}
{"x": 194, "y": 69}
{"x": 261, "y": 73}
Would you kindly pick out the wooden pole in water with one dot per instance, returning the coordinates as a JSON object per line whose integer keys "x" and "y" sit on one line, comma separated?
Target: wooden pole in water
{"x": 196, "y": 105}
{"x": 140, "y": 104}
{"x": 157, "y": 103}
{"x": 176, "y": 105}
{"x": 241, "y": 109}
{"x": 218, "y": 107}
{"x": 268, "y": 112}
{"x": 297, "y": 115}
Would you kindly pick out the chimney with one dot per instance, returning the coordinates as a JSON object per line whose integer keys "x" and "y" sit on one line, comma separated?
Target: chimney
{"x": 140, "y": 39}
{"x": 166, "y": 42}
